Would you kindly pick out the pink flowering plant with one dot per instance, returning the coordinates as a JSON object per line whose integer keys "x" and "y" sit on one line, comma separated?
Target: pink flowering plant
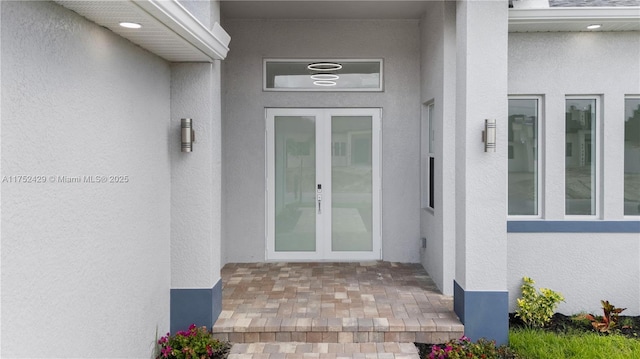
{"x": 195, "y": 343}
{"x": 464, "y": 348}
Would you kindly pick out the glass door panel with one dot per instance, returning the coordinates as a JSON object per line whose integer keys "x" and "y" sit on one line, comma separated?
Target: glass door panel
{"x": 351, "y": 183}
{"x": 323, "y": 184}
{"x": 295, "y": 183}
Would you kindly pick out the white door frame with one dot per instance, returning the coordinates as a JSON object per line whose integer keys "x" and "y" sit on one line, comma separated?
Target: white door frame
{"x": 324, "y": 250}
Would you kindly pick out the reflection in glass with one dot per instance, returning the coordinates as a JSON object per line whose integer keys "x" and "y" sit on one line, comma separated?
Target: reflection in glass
{"x": 523, "y": 156}
{"x": 632, "y": 157}
{"x": 580, "y": 157}
{"x": 295, "y": 75}
{"x": 351, "y": 181}
{"x": 295, "y": 181}
{"x": 432, "y": 130}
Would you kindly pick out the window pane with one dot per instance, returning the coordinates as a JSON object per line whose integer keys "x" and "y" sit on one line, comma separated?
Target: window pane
{"x": 352, "y": 185}
{"x": 523, "y": 156}
{"x": 431, "y": 183}
{"x": 306, "y": 75}
{"x": 632, "y": 157}
{"x": 580, "y": 157}
{"x": 295, "y": 167}
{"x": 432, "y": 131}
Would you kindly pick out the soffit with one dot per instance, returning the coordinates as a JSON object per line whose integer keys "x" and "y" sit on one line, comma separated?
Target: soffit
{"x": 321, "y": 9}
{"x": 168, "y": 29}
{"x": 554, "y": 19}
{"x": 574, "y": 19}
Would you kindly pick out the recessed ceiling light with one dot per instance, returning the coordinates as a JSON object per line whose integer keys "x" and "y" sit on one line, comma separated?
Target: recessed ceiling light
{"x": 130, "y": 25}
{"x": 594, "y": 26}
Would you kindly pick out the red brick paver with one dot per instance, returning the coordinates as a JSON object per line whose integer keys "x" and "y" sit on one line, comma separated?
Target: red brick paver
{"x": 355, "y": 302}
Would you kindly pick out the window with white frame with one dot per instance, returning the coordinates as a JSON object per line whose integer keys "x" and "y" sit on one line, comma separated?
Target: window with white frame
{"x": 581, "y": 156}
{"x": 322, "y": 75}
{"x": 632, "y": 156}
{"x": 523, "y": 152}
{"x": 428, "y": 158}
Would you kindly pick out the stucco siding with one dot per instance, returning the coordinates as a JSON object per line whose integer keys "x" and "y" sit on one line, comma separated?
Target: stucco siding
{"x": 397, "y": 42}
{"x": 593, "y": 266}
{"x": 438, "y": 50}
{"x": 584, "y": 267}
{"x": 85, "y": 266}
{"x": 195, "y": 177}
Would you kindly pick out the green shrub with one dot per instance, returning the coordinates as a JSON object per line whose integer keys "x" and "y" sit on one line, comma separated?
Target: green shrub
{"x": 194, "y": 343}
{"x": 536, "y": 308}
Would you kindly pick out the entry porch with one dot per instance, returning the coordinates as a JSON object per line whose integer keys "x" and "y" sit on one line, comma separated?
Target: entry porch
{"x": 351, "y": 302}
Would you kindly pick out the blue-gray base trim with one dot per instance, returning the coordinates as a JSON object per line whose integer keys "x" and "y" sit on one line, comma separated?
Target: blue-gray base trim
{"x": 201, "y": 307}
{"x": 484, "y": 314}
{"x": 573, "y": 226}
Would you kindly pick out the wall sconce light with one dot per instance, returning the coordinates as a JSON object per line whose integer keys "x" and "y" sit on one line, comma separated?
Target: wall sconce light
{"x": 188, "y": 135}
{"x": 489, "y": 135}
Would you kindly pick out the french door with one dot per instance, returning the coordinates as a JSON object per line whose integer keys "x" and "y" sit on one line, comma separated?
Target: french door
{"x": 323, "y": 184}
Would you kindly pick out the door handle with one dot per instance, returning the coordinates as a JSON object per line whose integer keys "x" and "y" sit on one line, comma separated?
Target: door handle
{"x": 319, "y": 198}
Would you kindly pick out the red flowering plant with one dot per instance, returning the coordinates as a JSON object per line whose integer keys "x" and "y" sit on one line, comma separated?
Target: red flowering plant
{"x": 464, "y": 348}
{"x": 195, "y": 343}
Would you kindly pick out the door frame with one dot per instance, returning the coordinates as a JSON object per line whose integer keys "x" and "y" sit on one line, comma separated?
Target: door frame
{"x": 323, "y": 250}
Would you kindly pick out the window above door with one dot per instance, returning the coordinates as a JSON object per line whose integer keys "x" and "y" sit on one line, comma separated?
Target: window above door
{"x": 323, "y": 75}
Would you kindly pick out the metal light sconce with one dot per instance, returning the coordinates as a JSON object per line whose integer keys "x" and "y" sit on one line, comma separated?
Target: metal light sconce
{"x": 188, "y": 135}
{"x": 489, "y": 135}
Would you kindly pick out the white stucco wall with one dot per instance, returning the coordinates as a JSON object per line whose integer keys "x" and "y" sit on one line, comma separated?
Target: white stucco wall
{"x": 438, "y": 51}
{"x": 206, "y": 11}
{"x": 196, "y": 177}
{"x": 481, "y": 86}
{"x": 244, "y": 125}
{"x": 85, "y": 267}
{"x": 585, "y": 267}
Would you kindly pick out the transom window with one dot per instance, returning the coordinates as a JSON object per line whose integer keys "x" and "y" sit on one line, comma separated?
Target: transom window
{"x": 322, "y": 75}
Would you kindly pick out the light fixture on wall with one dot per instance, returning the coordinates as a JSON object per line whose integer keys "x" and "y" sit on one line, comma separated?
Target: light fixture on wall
{"x": 594, "y": 26}
{"x": 489, "y": 135}
{"x": 188, "y": 135}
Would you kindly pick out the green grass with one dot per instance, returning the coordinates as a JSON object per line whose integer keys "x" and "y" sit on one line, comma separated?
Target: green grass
{"x": 539, "y": 344}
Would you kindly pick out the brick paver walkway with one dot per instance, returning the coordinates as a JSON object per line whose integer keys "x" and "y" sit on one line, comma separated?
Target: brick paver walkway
{"x": 324, "y": 351}
{"x": 333, "y": 305}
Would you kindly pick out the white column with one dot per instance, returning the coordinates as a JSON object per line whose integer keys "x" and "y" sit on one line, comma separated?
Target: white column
{"x": 195, "y": 196}
{"x": 481, "y": 186}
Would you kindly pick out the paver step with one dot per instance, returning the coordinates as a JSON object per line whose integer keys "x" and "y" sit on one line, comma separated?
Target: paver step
{"x": 294, "y": 350}
{"x": 342, "y": 302}
{"x": 338, "y": 330}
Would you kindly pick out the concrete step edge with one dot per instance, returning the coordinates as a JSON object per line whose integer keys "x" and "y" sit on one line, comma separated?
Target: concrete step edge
{"x": 324, "y": 348}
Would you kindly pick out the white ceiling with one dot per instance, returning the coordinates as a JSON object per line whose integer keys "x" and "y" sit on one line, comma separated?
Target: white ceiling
{"x": 322, "y": 9}
{"x": 168, "y": 29}
{"x": 520, "y": 20}
{"x": 574, "y": 19}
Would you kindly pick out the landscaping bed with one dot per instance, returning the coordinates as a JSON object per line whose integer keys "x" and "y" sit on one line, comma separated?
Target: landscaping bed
{"x": 567, "y": 337}
{"x": 629, "y": 326}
